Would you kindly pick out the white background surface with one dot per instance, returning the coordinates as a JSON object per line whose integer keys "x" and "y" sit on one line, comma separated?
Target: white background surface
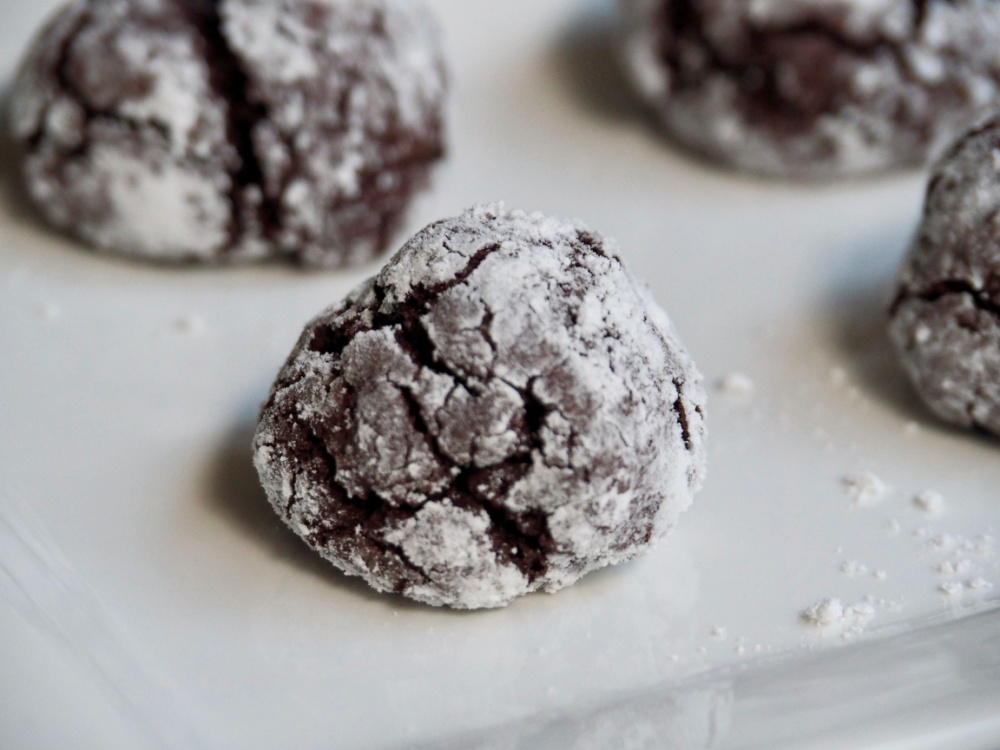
{"x": 149, "y": 597}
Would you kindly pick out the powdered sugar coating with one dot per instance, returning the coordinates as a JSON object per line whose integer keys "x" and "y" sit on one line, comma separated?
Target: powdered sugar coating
{"x": 231, "y": 130}
{"x": 502, "y": 409}
{"x": 815, "y": 88}
{"x": 945, "y": 322}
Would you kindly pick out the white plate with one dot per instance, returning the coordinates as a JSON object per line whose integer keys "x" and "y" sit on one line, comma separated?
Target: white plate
{"x": 148, "y": 596}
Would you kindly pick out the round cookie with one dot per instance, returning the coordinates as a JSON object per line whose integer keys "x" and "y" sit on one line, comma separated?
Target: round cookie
{"x": 502, "y": 409}
{"x": 945, "y": 321}
{"x": 231, "y": 130}
{"x": 815, "y": 88}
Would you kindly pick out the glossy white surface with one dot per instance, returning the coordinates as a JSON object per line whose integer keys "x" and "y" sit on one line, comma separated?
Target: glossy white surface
{"x": 148, "y": 597}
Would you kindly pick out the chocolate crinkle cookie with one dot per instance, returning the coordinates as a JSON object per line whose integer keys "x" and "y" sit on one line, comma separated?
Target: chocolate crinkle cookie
{"x": 502, "y": 409}
{"x": 815, "y": 88}
{"x": 231, "y": 130}
{"x": 945, "y": 321}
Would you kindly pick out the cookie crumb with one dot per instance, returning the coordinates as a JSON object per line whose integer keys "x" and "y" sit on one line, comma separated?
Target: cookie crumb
{"x": 943, "y": 542}
{"x": 824, "y": 613}
{"x": 950, "y": 588}
{"x": 864, "y": 611}
{"x": 864, "y": 489}
{"x": 963, "y": 566}
{"x": 833, "y": 613}
{"x": 853, "y": 568}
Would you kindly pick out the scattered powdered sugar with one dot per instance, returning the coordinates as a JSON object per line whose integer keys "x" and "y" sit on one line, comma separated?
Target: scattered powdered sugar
{"x": 929, "y": 502}
{"x": 951, "y": 588}
{"x": 736, "y": 385}
{"x": 862, "y": 610}
{"x": 962, "y": 559}
{"x": 829, "y": 613}
{"x": 943, "y": 541}
{"x": 853, "y": 568}
{"x": 824, "y": 613}
{"x": 980, "y": 584}
{"x": 946, "y": 568}
{"x": 864, "y": 489}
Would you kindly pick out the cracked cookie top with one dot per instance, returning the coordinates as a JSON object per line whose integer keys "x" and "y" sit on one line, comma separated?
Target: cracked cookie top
{"x": 816, "y": 88}
{"x": 231, "y": 130}
{"x": 502, "y": 409}
{"x": 945, "y": 321}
